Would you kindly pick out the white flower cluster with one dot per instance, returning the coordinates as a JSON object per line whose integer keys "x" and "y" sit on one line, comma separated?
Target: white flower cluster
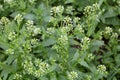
{"x": 27, "y": 46}
{"x": 114, "y": 35}
{"x": 69, "y": 9}
{"x": 67, "y": 20}
{"x": 76, "y": 19}
{"x": 18, "y": 18}
{"x": 72, "y": 75}
{"x": 88, "y": 77}
{"x": 50, "y": 30}
{"x": 90, "y": 56}
{"x": 79, "y": 29}
{"x": 32, "y": 29}
{"x": 34, "y": 41}
{"x": 65, "y": 29}
{"x": 17, "y": 76}
{"x": 63, "y": 39}
{"x": 85, "y": 43}
{"x": 91, "y": 9}
{"x": 101, "y": 69}
{"x": 12, "y": 36}
{"x": 36, "y": 68}
{"x": 29, "y": 23}
{"x": 57, "y": 10}
{"x": 36, "y": 31}
{"x": 9, "y": 51}
{"x": 4, "y": 21}
{"x": 108, "y": 30}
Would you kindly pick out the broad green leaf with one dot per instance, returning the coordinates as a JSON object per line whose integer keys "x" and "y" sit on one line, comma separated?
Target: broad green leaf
{"x": 29, "y": 16}
{"x": 96, "y": 44}
{"x": 48, "y": 42}
{"x": 84, "y": 63}
{"x": 112, "y": 21}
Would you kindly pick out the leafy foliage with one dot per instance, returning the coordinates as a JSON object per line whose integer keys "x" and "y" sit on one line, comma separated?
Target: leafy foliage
{"x": 59, "y": 39}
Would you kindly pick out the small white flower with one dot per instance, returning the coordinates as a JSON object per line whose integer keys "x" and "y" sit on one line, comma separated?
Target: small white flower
{"x": 36, "y": 31}
{"x": 11, "y": 36}
{"x": 57, "y": 10}
{"x": 72, "y": 75}
{"x": 29, "y": 23}
{"x": 101, "y": 68}
{"x": 18, "y": 18}
{"x": 9, "y": 51}
{"x": 108, "y": 30}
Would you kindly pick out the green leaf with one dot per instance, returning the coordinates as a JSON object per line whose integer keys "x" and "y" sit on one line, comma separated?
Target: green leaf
{"x": 112, "y": 21}
{"x": 4, "y": 74}
{"x": 76, "y": 56}
{"x": 96, "y": 44}
{"x": 110, "y": 13}
{"x": 84, "y": 63}
{"x": 29, "y": 16}
{"x": 118, "y": 47}
{"x": 48, "y": 42}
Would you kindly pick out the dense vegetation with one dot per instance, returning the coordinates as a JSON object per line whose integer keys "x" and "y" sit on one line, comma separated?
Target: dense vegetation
{"x": 59, "y": 39}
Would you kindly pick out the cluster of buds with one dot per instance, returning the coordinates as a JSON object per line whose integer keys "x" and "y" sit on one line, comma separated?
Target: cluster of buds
{"x": 27, "y": 46}
{"x": 65, "y": 29}
{"x": 90, "y": 57}
{"x": 43, "y": 68}
{"x": 63, "y": 39}
{"x": 72, "y": 75}
{"x": 57, "y": 10}
{"x": 76, "y": 20}
{"x": 18, "y": 18}
{"x": 36, "y": 68}
{"x": 50, "y": 30}
{"x": 85, "y": 43}
{"x": 108, "y": 30}
{"x": 69, "y": 10}
{"x": 28, "y": 67}
{"x": 17, "y": 76}
{"x": 91, "y": 9}
{"x": 12, "y": 36}
{"x": 9, "y": 51}
{"x": 101, "y": 69}
{"x": 36, "y": 31}
{"x": 67, "y": 20}
{"x": 32, "y": 29}
{"x": 34, "y": 42}
{"x": 29, "y": 23}
{"x": 88, "y": 77}
{"x": 114, "y": 35}
{"x": 79, "y": 29}
{"x": 4, "y": 21}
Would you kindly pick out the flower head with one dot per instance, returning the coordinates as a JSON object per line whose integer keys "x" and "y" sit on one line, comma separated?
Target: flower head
{"x": 72, "y": 75}
{"x": 18, "y": 18}
{"x": 11, "y": 36}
